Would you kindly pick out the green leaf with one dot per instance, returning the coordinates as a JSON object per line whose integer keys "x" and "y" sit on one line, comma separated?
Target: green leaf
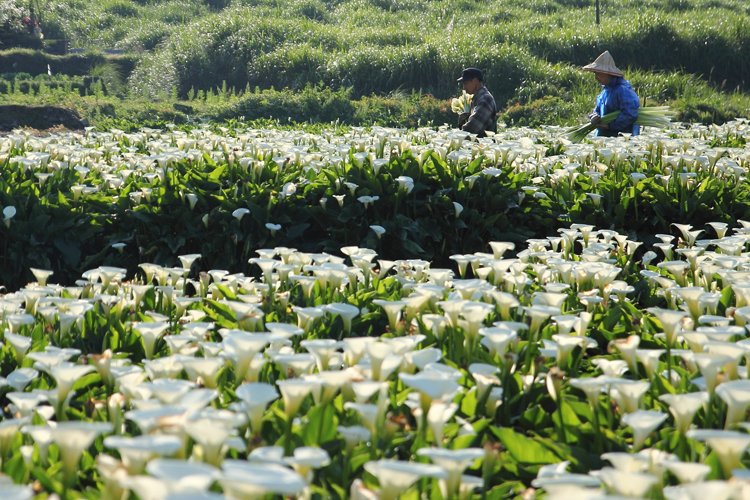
{"x": 217, "y": 173}
{"x": 321, "y": 426}
{"x": 469, "y": 403}
{"x": 524, "y": 449}
{"x": 86, "y": 380}
{"x": 71, "y": 253}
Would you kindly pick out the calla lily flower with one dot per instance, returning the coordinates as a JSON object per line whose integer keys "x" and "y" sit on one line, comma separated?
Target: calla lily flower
{"x": 629, "y": 484}
{"x": 239, "y": 213}
{"x": 135, "y": 452}
{"x": 151, "y": 419}
{"x": 294, "y": 392}
{"x": 295, "y": 364}
{"x": 169, "y": 391}
{"x": 150, "y": 333}
{"x": 20, "y": 344}
{"x": 736, "y": 395}
{"x": 26, "y": 402}
{"x": 592, "y": 387}
{"x": 729, "y": 446}
{"x": 346, "y": 312}
{"x": 683, "y": 407}
{"x": 393, "y": 310}
{"x": 66, "y": 374}
{"x": 710, "y": 365}
{"x": 702, "y": 489}
{"x": 670, "y": 320}
{"x": 41, "y": 275}
{"x": 628, "y": 393}
{"x": 211, "y": 429}
{"x": 395, "y": 476}
{"x": 643, "y": 423}
{"x": 242, "y": 479}
{"x": 628, "y": 348}
{"x": 569, "y": 486}
{"x": 378, "y": 230}
{"x": 183, "y": 477}
{"x": 688, "y": 472}
{"x": 453, "y": 462}
{"x": 256, "y": 397}
{"x": 72, "y": 438}
{"x": 204, "y": 370}
{"x": 439, "y": 414}
{"x": 322, "y": 350}
{"x": 8, "y": 213}
{"x": 306, "y": 459}
{"x": 649, "y": 358}
{"x": 8, "y": 430}
{"x": 353, "y": 435}
{"x": 369, "y": 414}
{"x": 431, "y": 386}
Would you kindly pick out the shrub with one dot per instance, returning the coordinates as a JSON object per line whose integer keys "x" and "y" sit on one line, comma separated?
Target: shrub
{"x": 121, "y": 8}
{"x": 398, "y": 110}
{"x": 292, "y": 65}
{"x": 110, "y": 77}
{"x": 314, "y": 10}
{"x": 35, "y": 62}
{"x": 145, "y": 36}
{"x": 218, "y": 49}
{"x": 317, "y": 104}
{"x": 544, "y": 111}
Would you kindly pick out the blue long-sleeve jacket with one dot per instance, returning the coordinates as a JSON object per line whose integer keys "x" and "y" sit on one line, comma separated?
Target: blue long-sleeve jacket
{"x": 619, "y": 95}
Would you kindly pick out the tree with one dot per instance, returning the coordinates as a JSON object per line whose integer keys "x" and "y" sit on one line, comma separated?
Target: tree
{"x": 11, "y": 16}
{"x": 17, "y": 25}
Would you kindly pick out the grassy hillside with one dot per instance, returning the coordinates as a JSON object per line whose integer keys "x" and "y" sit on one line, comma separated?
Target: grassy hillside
{"x": 688, "y": 52}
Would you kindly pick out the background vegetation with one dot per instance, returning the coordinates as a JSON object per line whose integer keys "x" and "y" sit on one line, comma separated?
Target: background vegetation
{"x": 690, "y": 53}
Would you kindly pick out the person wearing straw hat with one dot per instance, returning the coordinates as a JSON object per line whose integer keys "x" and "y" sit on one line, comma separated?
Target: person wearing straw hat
{"x": 483, "y": 115}
{"x": 617, "y": 95}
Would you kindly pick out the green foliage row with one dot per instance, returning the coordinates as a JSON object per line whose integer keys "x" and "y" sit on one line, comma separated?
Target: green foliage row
{"x": 35, "y": 62}
{"x": 69, "y": 232}
{"x": 72, "y": 233}
{"x": 102, "y": 100}
{"x": 323, "y": 105}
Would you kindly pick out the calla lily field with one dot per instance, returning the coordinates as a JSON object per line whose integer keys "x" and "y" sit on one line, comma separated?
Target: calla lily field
{"x": 375, "y": 313}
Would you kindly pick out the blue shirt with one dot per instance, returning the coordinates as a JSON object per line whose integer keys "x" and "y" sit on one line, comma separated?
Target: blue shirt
{"x": 619, "y": 95}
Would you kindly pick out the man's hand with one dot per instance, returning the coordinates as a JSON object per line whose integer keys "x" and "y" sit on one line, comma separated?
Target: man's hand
{"x": 595, "y": 119}
{"x": 462, "y": 119}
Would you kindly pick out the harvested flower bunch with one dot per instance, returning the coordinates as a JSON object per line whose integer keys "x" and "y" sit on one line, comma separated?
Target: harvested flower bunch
{"x": 651, "y": 116}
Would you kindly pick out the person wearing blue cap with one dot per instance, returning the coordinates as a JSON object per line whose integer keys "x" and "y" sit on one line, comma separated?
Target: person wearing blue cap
{"x": 483, "y": 114}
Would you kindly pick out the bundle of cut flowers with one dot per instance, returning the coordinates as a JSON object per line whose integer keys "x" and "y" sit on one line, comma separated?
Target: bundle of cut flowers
{"x": 462, "y": 103}
{"x": 650, "y": 116}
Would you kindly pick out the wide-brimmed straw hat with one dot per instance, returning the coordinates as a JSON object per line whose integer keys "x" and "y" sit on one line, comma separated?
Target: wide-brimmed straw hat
{"x": 604, "y": 64}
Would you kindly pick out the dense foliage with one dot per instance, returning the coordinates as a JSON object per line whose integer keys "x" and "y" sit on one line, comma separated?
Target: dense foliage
{"x": 115, "y": 187}
{"x": 200, "y": 356}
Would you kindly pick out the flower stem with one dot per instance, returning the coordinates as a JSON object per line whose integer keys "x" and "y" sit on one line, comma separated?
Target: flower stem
{"x": 563, "y": 435}
{"x": 288, "y": 436}
{"x": 597, "y": 431}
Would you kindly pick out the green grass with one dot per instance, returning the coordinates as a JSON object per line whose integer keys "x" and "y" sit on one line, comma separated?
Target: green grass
{"x": 686, "y": 53}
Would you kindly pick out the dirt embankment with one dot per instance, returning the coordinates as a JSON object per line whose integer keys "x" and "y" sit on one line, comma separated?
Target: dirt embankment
{"x": 39, "y": 117}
